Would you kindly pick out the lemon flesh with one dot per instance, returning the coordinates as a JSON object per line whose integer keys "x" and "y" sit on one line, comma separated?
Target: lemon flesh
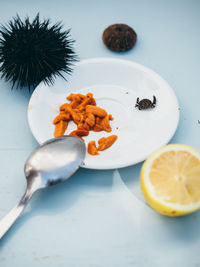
{"x": 170, "y": 180}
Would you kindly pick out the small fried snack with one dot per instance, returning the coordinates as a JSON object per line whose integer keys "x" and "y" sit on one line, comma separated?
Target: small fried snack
{"x": 106, "y": 142}
{"x": 60, "y": 128}
{"x": 84, "y": 112}
{"x": 92, "y": 149}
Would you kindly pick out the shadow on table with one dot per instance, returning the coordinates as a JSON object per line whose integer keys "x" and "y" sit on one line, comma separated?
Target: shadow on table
{"x": 158, "y": 227}
{"x": 131, "y": 178}
{"x": 183, "y": 228}
{"x": 61, "y": 197}
{"x": 154, "y": 228}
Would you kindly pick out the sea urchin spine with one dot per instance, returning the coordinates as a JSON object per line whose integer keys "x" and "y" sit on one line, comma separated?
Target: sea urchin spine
{"x": 34, "y": 52}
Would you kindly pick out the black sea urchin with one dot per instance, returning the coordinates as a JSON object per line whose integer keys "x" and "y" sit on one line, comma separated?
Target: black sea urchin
{"x": 34, "y": 52}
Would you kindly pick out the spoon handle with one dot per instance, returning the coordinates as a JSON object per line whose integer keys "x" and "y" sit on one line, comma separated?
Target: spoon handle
{"x": 7, "y": 221}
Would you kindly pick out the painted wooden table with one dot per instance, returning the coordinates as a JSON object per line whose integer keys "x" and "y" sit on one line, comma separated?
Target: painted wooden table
{"x": 99, "y": 218}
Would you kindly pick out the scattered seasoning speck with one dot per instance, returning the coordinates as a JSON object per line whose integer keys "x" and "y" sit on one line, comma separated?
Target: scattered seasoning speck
{"x": 127, "y": 93}
{"x": 117, "y": 128}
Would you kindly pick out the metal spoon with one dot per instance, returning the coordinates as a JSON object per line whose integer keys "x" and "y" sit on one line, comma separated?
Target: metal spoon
{"x": 51, "y": 163}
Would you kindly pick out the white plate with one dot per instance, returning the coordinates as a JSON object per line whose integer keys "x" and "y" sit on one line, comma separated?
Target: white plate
{"x": 116, "y": 84}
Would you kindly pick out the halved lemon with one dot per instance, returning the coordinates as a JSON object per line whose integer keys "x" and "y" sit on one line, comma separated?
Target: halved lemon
{"x": 170, "y": 180}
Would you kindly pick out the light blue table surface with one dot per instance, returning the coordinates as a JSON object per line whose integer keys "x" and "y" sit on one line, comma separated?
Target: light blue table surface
{"x": 99, "y": 218}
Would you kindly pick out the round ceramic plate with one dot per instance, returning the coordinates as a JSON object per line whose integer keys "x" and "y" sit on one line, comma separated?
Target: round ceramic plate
{"x": 116, "y": 85}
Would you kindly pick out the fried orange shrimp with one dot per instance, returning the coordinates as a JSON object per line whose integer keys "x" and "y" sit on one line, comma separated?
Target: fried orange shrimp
{"x": 83, "y": 111}
{"x": 106, "y": 142}
{"x": 97, "y": 111}
{"x": 60, "y": 128}
{"x": 92, "y": 149}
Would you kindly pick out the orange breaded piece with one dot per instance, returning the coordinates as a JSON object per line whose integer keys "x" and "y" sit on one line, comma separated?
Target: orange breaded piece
{"x": 90, "y": 119}
{"x": 106, "y": 142}
{"x": 83, "y": 126}
{"x": 92, "y": 149}
{"x": 82, "y": 110}
{"x": 85, "y": 102}
{"x": 62, "y": 117}
{"x": 76, "y": 101}
{"x": 64, "y": 107}
{"x": 79, "y": 133}
{"x": 97, "y": 111}
{"x": 71, "y": 97}
{"x": 101, "y": 140}
{"x": 93, "y": 102}
{"x": 105, "y": 123}
{"x": 98, "y": 120}
{"x": 75, "y": 113}
{"x": 97, "y": 128}
{"x": 111, "y": 117}
{"x": 60, "y": 128}
{"x": 76, "y": 117}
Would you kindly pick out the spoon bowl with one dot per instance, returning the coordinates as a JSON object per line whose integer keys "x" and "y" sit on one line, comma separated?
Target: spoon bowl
{"x": 55, "y": 160}
{"x": 52, "y": 162}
